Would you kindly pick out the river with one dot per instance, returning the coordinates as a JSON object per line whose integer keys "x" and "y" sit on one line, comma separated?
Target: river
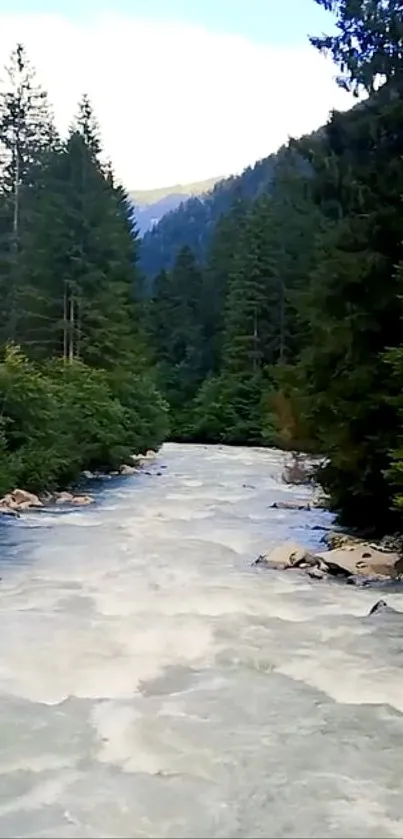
{"x": 154, "y": 684}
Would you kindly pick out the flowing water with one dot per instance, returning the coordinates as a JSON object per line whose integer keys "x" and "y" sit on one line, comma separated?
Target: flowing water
{"x": 154, "y": 684}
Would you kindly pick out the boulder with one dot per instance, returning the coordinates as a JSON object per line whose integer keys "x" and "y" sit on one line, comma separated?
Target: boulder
{"x": 88, "y": 475}
{"x": 381, "y": 607}
{"x": 319, "y": 499}
{"x": 47, "y": 498}
{"x": 8, "y": 502}
{"x": 63, "y": 497}
{"x": 334, "y": 539}
{"x": 316, "y": 574}
{"x": 298, "y": 471}
{"x": 24, "y": 505}
{"x": 21, "y": 496}
{"x": 360, "y": 564}
{"x": 128, "y": 470}
{"x": 282, "y": 557}
{"x": 137, "y": 460}
{"x": 82, "y": 500}
{"x": 362, "y": 561}
{"x": 19, "y": 499}
{"x": 289, "y": 505}
{"x": 69, "y": 498}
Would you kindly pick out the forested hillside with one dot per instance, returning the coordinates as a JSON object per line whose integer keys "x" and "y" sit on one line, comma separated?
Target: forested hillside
{"x": 281, "y": 318}
{"x": 193, "y": 222}
{"x": 76, "y": 387}
{"x": 150, "y": 205}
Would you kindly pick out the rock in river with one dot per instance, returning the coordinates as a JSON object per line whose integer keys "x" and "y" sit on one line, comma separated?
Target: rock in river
{"x": 381, "y": 607}
{"x": 18, "y": 500}
{"x": 69, "y": 498}
{"x": 358, "y": 561}
{"x": 290, "y": 505}
{"x": 364, "y": 560}
{"x": 128, "y": 470}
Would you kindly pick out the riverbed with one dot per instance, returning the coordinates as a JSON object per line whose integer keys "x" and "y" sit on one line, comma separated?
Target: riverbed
{"x": 154, "y": 684}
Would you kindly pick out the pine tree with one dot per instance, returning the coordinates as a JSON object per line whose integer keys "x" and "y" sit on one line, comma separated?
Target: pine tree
{"x": 219, "y": 266}
{"x": 83, "y": 275}
{"x": 354, "y": 307}
{"x": 176, "y": 327}
{"x": 253, "y": 314}
{"x": 26, "y": 135}
{"x": 368, "y": 46}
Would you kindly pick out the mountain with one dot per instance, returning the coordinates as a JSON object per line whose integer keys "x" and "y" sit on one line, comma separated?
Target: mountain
{"x": 193, "y": 221}
{"x": 151, "y": 205}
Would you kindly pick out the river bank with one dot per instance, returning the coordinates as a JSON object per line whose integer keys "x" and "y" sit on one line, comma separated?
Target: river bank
{"x": 343, "y": 556}
{"x": 19, "y": 501}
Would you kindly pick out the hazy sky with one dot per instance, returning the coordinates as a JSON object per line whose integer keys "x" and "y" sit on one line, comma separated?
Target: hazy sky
{"x": 183, "y": 89}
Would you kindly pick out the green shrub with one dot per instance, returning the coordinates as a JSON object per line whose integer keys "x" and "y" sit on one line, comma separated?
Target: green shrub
{"x": 59, "y": 419}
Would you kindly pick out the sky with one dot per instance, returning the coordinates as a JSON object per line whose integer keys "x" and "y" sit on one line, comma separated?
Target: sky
{"x": 183, "y": 89}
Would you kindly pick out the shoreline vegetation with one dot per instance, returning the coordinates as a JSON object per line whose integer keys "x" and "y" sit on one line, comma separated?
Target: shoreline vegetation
{"x": 281, "y": 327}
{"x": 19, "y": 501}
{"x": 77, "y": 386}
{"x": 275, "y": 306}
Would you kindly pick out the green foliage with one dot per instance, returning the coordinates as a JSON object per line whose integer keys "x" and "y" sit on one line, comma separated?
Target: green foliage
{"x": 227, "y": 409}
{"x": 60, "y": 419}
{"x": 300, "y": 299}
{"x": 146, "y": 412}
{"x": 26, "y": 135}
{"x": 215, "y": 330}
{"x": 177, "y": 332}
{"x": 354, "y": 307}
{"x": 275, "y": 314}
{"x": 194, "y": 222}
{"x": 79, "y": 393}
{"x": 393, "y": 474}
{"x": 368, "y": 44}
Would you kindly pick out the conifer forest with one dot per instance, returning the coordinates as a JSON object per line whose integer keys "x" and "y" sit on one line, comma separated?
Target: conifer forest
{"x": 268, "y": 313}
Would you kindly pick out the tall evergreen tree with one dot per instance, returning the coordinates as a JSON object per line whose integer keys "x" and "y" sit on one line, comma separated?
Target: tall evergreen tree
{"x": 253, "y": 323}
{"x": 354, "y": 306}
{"x": 219, "y": 266}
{"x": 83, "y": 273}
{"x": 368, "y": 45}
{"x": 26, "y": 135}
{"x": 177, "y": 329}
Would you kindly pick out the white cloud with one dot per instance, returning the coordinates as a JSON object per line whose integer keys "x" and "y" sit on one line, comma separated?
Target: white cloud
{"x": 175, "y": 102}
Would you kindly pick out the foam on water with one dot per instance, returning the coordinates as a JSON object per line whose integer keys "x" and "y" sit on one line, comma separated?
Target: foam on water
{"x": 153, "y": 684}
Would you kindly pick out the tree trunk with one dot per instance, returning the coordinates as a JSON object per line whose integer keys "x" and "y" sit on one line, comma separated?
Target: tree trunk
{"x": 71, "y": 328}
{"x": 65, "y": 324}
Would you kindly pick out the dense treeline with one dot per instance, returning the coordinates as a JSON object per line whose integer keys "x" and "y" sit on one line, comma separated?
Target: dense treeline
{"x": 290, "y": 331}
{"x": 193, "y": 222}
{"x": 76, "y": 388}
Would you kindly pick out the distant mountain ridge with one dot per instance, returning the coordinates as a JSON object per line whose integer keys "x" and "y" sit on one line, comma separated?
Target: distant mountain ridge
{"x": 151, "y": 205}
{"x": 193, "y": 220}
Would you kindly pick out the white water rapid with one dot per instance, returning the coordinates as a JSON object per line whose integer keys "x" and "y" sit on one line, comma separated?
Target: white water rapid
{"x": 154, "y": 684}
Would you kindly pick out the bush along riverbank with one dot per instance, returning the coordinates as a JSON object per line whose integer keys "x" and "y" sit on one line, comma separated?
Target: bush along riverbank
{"x": 61, "y": 421}
{"x": 20, "y": 500}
